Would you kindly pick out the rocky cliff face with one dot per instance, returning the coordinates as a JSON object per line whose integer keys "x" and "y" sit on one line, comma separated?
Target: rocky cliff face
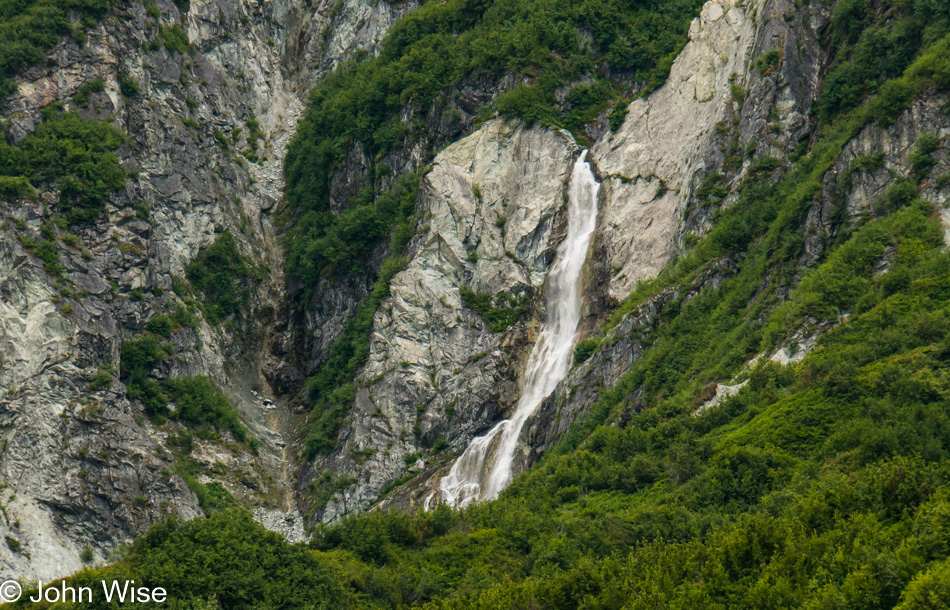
{"x": 438, "y": 373}
{"x": 84, "y": 467}
{"x": 208, "y": 123}
{"x": 743, "y": 88}
{"x": 653, "y": 169}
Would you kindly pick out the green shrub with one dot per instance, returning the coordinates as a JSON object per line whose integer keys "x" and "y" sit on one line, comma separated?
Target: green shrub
{"x": 585, "y": 349}
{"x": 76, "y": 155}
{"x": 159, "y": 325}
{"x": 138, "y": 358}
{"x": 128, "y": 85}
{"x": 500, "y": 311}
{"x": 221, "y": 273}
{"x": 768, "y": 60}
{"x": 175, "y": 39}
{"x": 921, "y": 158}
{"x": 712, "y": 190}
{"x": 47, "y": 252}
{"x": 16, "y": 187}
{"x": 81, "y": 97}
{"x": 103, "y": 378}
{"x": 199, "y": 402}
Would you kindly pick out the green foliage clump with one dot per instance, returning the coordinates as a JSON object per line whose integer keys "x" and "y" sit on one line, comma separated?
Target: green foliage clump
{"x": 227, "y": 560}
{"x": 139, "y": 357}
{"x": 221, "y": 273}
{"x": 212, "y": 497}
{"x": 875, "y": 43}
{"x": 198, "y": 402}
{"x": 103, "y": 378}
{"x": 499, "y": 311}
{"x": 81, "y": 97}
{"x": 324, "y": 487}
{"x": 75, "y": 154}
{"x": 712, "y": 190}
{"x": 29, "y": 28}
{"x": 324, "y": 245}
{"x": 585, "y": 349}
{"x": 768, "y": 60}
{"x": 128, "y": 85}
{"x": 175, "y": 39}
{"x": 16, "y": 187}
{"x": 921, "y": 158}
{"x": 163, "y": 325}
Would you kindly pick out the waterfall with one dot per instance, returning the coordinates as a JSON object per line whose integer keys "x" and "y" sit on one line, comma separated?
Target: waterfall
{"x": 484, "y": 469}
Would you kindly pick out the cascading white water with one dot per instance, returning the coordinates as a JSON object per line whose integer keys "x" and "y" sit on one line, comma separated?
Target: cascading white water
{"x": 484, "y": 469}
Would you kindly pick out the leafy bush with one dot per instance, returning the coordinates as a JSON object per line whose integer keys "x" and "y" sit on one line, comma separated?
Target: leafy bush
{"x": 128, "y": 85}
{"x": 921, "y": 158}
{"x": 162, "y": 325}
{"x": 73, "y": 153}
{"x": 768, "y": 60}
{"x": 198, "y": 402}
{"x": 175, "y": 39}
{"x": 81, "y": 97}
{"x": 16, "y": 187}
{"x": 29, "y": 28}
{"x": 221, "y": 273}
{"x": 500, "y": 311}
{"x": 138, "y": 358}
{"x": 103, "y": 378}
{"x": 584, "y": 350}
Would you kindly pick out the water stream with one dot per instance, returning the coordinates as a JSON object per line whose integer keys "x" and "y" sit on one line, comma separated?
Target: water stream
{"x": 485, "y": 468}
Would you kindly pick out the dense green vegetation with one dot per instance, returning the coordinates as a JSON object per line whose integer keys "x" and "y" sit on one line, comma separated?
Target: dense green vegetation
{"x": 197, "y": 401}
{"x": 28, "y": 28}
{"x": 67, "y": 151}
{"x": 347, "y": 240}
{"x": 221, "y": 274}
{"x": 332, "y": 390}
{"x": 876, "y": 42}
{"x": 226, "y": 561}
{"x": 821, "y": 484}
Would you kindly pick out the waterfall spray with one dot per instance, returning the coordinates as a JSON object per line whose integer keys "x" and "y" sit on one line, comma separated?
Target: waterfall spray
{"x": 484, "y": 469}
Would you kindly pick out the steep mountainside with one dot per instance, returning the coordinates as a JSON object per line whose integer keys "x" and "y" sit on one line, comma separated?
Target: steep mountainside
{"x": 756, "y": 414}
{"x": 203, "y": 98}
